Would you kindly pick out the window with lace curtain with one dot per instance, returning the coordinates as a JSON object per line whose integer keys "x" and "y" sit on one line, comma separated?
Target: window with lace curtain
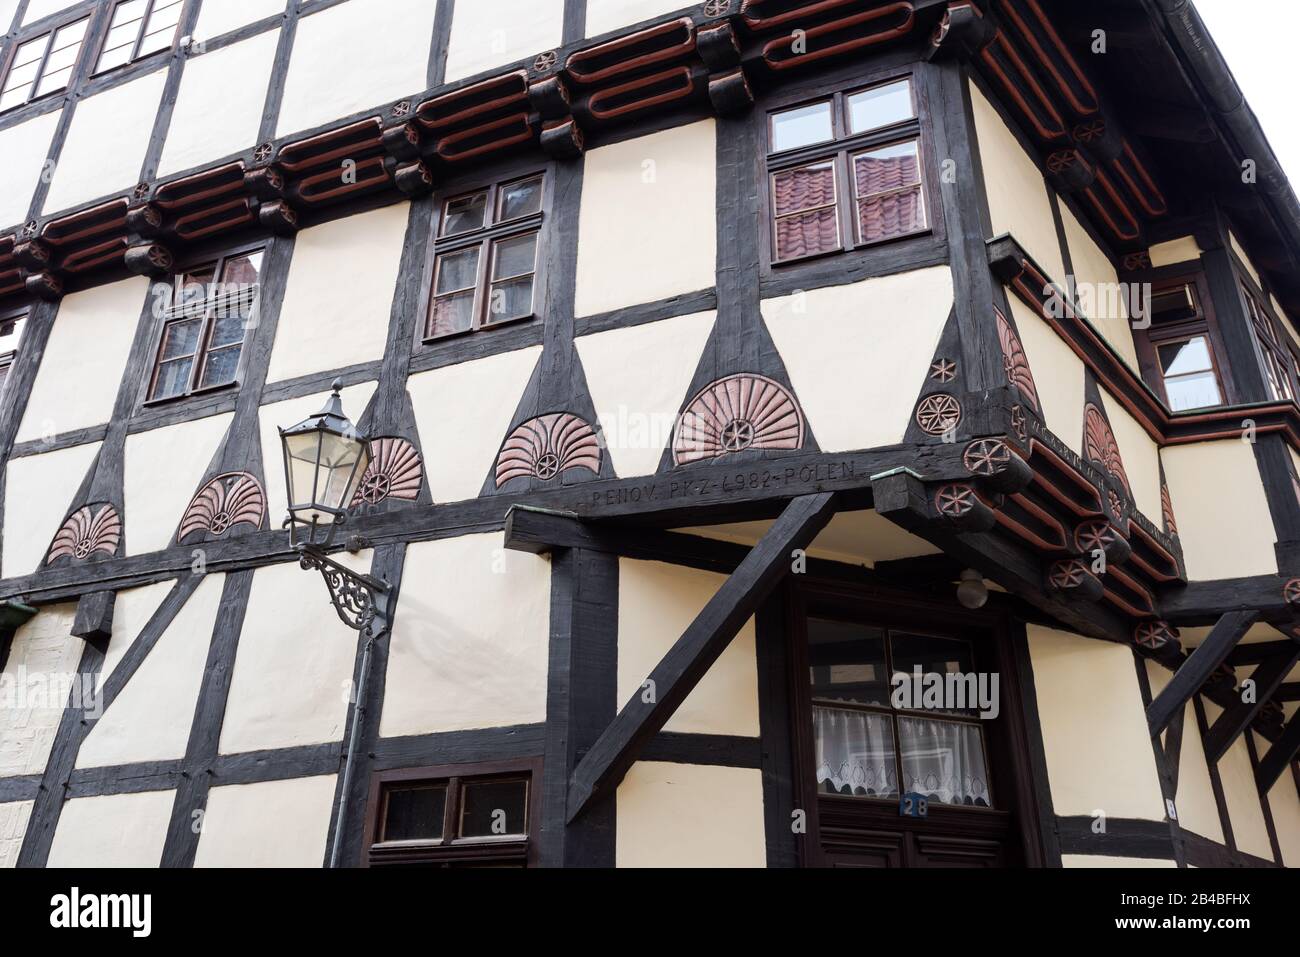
{"x": 845, "y": 171}
{"x": 864, "y": 746}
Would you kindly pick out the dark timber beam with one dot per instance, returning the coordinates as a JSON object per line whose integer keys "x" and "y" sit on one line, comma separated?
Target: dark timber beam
{"x": 1187, "y": 680}
{"x": 1258, "y": 652}
{"x": 1279, "y": 756}
{"x": 1287, "y": 691}
{"x": 1267, "y": 677}
{"x": 603, "y": 767}
{"x": 1201, "y": 603}
{"x": 94, "y": 620}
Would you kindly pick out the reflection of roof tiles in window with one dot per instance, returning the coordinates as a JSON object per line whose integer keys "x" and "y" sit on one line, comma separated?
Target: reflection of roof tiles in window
{"x": 878, "y": 174}
{"x": 806, "y": 234}
{"x": 805, "y": 188}
{"x": 892, "y": 215}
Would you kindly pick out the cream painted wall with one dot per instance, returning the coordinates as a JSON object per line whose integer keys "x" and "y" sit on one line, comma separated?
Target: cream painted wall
{"x": 355, "y": 56}
{"x": 606, "y": 15}
{"x": 856, "y": 538}
{"x": 42, "y": 660}
{"x": 1198, "y": 810}
{"x": 272, "y": 824}
{"x": 161, "y": 474}
{"x": 638, "y": 377}
{"x": 1097, "y": 289}
{"x": 281, "y": 415}
{"x": 688, "y": 815}
{"x": 132, "y": 610}
{"x": 1283, "y": 802}
{"x": 339, "y": 292}
{"x": 1017, "y": 193}
{"x": 469, "y": 644}
{"x": 13, "y": 825}
{"x": 92, "y": 334}
{"x": 219, "y": 106}
{"x": 1058, "y": 375}
{"x": 218, "y": 18}
{"x": 25, "y": 148}
{"x": 1141, "y": 458}
{"x": 38, "y": 495}
{"x": 1241, "y": 255}
{"x": 1175, "y": 251}
{"x": 1099, "y": 756}
{"x": 858, "y": 355}
{"x": 1101, "y": 860}
{"x": 1237, "y": 775}
{"x": 1225, "y": 526}
{"x": 460, "y": 449}
{"x": 293, "y": 673}
{"x": 113, "y": 830}
{"x": 106, "y": 143}
{"x": 665, "y": 184}
{"x": 491, "y": 33}
{"x": 656, "y": 603}
{"x": 150, "y": 719}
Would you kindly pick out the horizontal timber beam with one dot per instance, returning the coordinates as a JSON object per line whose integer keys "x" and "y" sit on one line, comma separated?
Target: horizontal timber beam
{"x": 1193, "y": 672}
{"x": 690, "y": 658}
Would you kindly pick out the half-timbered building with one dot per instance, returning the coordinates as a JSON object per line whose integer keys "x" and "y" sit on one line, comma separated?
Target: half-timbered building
{"x": 713, "y": 366}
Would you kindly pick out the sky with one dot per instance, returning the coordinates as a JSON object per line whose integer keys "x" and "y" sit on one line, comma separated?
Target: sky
{"x": 1257, "y": 37}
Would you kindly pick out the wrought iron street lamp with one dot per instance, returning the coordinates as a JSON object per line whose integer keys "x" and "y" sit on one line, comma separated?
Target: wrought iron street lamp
{"x": 325, "y": 457}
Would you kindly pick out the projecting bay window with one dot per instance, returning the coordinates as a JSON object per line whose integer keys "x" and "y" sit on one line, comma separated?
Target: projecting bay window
{"x": 466, "y": 816}
{"x": 139, "y": 28}
{"x": 43, "y": 64}
{"x": 1276, "y": 360}
{"x": 487, "y": 258}
{"x": 1180, "y": 352}
{"x": 207, "y": 316}
{"x": 846, "y": 172}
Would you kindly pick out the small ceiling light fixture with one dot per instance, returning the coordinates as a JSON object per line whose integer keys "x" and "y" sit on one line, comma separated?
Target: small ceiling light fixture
{"x": 971, "y": 590}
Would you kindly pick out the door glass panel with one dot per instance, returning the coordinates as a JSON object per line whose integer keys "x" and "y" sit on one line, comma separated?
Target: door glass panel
{"x": 854, "y": 753}
{"x": 944, "y": 761}
{"x": 847, "y": 662}
{"x": 937, "y": 656}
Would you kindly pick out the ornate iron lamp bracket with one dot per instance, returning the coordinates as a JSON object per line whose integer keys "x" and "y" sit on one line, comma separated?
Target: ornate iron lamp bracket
{"x": 360, "y": 600}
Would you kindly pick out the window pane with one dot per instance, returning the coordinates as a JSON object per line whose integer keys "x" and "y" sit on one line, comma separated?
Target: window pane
{"x": 801, "y": 126}
{"x": 128, "y": 12}
{"x": 887, "y": 183}
{"x": 1174, "y": 305}
{"x": 512, "y": 299}
{"x": 895, "y": 214}
{"x": 153, "y": 42}
{"x": 847, "y": 662}
{"x": 115, "y": 56}
{"x": 454, "y": 313}
{"x": 891, "y": 168}
{"x": 53, "y": 81}
{"x": 1196, "y": 391}
{"x": 855, "y": 753}
{"x": 807, "y": 187}
{"x": 194, "y": 290}
{"x": 181, "y": 338}
{"x": 520, "y": 199}
{"x": 494, "y": 809}
{"x": 414, "y": 814}
{"x": 515, "y": 257}
{"x": 458, "y": 270}
{"x": 807, "y": 234}
{"x": 227, "y": 330}
{"x": 219, "y": 367}
{"x": 944, "y": 761}
{"x": 463, "y": 214}
{"x": 881, "y": 106}
{"x": 242, "y": 269}
{"x": 1180, "y": 358}
{"x": 939, "y": 656}
{"x": 173, "y": 378}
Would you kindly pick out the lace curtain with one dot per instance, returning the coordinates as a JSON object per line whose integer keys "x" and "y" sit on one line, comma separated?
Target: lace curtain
{"x": 940, "y": 759}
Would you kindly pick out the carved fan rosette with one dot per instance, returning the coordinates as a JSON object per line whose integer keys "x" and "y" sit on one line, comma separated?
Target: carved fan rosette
{"x": 738, "y": 413}
{"x": 548, "y": 446}
{"x": 395, "y": 471}
{"x": 235, "y": 498}
{"x": 1016, "y": 363}
{"x": 1101, "y": 447}
{"x": 91, "y": 530}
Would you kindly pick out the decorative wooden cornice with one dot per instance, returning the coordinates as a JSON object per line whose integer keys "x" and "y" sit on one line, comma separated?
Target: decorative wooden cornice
{"x": 1023, "y": 276}
{"x": 708, "y": 60}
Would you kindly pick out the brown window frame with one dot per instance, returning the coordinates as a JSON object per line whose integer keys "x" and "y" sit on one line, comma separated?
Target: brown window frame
{"x": 1277, "y": 362}
{"x": 203, "y": 349}
{"x": 49, "y": 35}
{"x": 1205, "y": 323}
{"x": 486, "y": 240}
{"x": 504, "y": 850}
{"x": 102, "y": 46}
{"x": 841, "y": 151}
{"x": 840, "y": 823}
